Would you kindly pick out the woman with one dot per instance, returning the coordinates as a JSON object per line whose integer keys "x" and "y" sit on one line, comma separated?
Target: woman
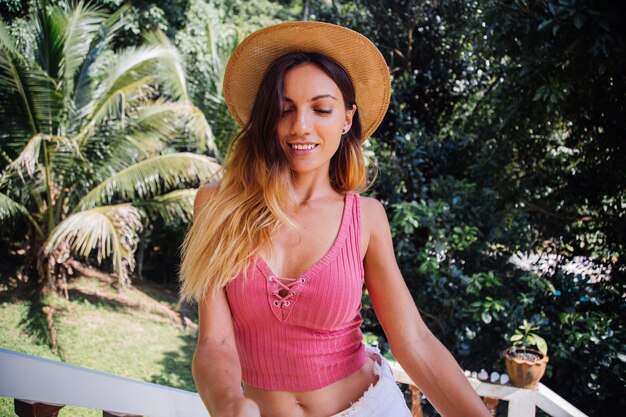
{"x": 281, "y": 246}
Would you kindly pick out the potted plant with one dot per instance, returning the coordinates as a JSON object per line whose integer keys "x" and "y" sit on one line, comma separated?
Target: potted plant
{"x": 526, "y": 359}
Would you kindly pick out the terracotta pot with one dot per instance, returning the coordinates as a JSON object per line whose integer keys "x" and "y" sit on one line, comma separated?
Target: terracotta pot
{"x": 525, "y": 373}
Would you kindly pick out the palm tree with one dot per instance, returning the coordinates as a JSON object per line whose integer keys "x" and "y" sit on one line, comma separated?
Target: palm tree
{"x": 86, "y": 146}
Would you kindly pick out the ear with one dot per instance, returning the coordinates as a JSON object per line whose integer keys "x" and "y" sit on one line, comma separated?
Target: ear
{"x": 349, "y": 114}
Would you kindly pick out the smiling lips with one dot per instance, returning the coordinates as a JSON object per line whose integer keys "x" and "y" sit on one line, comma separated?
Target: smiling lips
{"x": 303, "y": 148}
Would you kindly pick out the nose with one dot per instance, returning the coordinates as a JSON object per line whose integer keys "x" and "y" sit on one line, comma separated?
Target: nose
{"x": 301, "y": 125}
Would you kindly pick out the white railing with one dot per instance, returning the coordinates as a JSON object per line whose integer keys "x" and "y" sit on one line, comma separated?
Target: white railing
{"x": 522, "y": 402}
{"x": 33, "y": 379}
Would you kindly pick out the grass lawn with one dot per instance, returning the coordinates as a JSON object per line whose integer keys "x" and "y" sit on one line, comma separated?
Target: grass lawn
{"x": 128, "y": 334}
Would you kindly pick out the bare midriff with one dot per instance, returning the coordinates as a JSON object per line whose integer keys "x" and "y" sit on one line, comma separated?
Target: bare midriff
{"x": 323, "y": 402}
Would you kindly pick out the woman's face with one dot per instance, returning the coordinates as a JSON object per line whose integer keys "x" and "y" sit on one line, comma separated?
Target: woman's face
{"x": 313, "y": 117}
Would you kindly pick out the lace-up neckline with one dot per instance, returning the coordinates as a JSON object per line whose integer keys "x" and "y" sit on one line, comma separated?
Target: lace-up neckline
{"x": 284, "y": 291}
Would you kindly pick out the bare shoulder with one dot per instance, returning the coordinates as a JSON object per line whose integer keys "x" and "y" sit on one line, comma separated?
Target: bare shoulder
{"x": 204, "y": 194}
{"x": 374, "y": 223}
{"x": 373, "y": 211}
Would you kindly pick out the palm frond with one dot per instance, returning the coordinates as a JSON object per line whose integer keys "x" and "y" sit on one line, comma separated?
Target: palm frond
{"x": 201, "y": 129}
{"x": 110, "y": 231}
{"x": 171, "y": 70}
{"x": 66, "y": 159}
{"x": 120, "y": 152}
{"x": 175, "y": 205}
{"x": 151, "y": 177}
{"x": 84, "y": 84}
{"x": 158, "y": 118}
{"x": 162, "y": 119}
{"x": 114, "y": 106}
{"x": 26, "y": 163}
{"x": 28, "y": 93}
{"x": 150, "y": 129}
{"x": 10, "y": 208}
{"x": 82, "y": 25}
{"x": 28, "y": 191}
{"x": 50, "y": 26}
{"x": 134, "y": 68}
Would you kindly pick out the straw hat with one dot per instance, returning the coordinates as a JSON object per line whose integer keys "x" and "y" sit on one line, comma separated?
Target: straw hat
{"x": 354, "y": 52}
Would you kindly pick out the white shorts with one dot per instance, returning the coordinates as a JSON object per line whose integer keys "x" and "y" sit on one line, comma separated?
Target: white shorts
{"x": 381, "y": 399}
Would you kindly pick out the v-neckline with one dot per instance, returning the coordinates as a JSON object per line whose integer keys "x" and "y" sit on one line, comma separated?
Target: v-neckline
{"x": 328, "y": 256}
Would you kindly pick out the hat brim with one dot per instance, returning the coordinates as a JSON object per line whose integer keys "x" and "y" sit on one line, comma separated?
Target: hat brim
{"x": 354, "y": 52}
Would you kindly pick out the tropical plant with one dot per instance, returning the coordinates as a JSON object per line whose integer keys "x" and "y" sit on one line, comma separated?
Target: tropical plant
{"x": 526, "y": 337}
{"x": 87, "y": 155}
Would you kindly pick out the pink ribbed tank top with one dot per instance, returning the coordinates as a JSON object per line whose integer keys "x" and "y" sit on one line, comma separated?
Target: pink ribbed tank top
{"x": 303, "y": 333}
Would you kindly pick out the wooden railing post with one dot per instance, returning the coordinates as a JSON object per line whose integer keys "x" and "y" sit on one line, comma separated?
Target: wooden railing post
{"x": 25, "y": 408}
{"x": 416, "y": 401}
{"x": 492, "y": 405}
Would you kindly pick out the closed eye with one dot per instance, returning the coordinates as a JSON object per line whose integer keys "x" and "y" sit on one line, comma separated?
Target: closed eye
{"x": 324, "y": 111}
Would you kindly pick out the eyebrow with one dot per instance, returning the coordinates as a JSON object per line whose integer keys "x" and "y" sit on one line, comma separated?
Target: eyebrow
{"x": 321, "y": 96}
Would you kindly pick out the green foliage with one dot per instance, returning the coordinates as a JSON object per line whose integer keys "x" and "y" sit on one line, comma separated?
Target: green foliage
{"x": 526, "y": 337}
{"x": 566, "y": 71}
{"x": 89, "y": 134}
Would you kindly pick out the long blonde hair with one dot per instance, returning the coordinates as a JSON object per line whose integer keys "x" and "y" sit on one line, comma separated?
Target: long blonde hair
{"x": 253, "y": 198}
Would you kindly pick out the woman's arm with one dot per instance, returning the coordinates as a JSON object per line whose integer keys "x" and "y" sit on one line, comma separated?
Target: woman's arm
{"x": 216, "y": 369}
{"x": 425, "y": 359}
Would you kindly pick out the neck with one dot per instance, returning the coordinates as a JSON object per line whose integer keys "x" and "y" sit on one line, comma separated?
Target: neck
{"x": 310, "y": 186}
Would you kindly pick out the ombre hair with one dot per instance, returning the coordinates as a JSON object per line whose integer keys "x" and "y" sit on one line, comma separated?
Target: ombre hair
{"x": 253, "y": 198}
